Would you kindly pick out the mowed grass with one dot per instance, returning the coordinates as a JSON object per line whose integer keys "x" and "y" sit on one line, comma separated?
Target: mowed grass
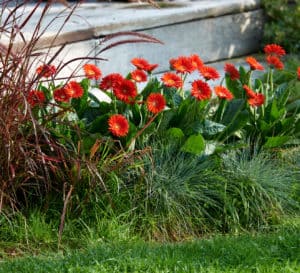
{"x": 277, "y": 251}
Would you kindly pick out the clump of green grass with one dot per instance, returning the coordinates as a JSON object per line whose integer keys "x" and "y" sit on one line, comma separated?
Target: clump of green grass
{"x": 272, "y": 253}
{"x": 256, "y": 190}
{"x": 167, "y": 200}
{"x": 173, "y": 195}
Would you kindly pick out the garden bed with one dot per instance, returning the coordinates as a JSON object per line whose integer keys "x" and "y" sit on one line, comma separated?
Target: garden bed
{"x": 168, "y": 156}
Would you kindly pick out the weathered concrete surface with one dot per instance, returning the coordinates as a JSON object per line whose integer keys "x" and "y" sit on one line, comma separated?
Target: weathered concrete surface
{"x": 92, "y": 20}
{"x": 215, "y": 29}
{"x": 212, "y": 38}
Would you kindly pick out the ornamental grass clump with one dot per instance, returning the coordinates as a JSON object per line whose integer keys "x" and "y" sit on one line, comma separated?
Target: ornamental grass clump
{"x": 256, "y": 190}
{"x": 47, "y": 154}
{"x": 29, "y": 155}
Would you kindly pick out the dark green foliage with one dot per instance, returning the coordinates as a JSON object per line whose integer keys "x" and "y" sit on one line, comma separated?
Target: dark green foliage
{"x": 283, "y": 26}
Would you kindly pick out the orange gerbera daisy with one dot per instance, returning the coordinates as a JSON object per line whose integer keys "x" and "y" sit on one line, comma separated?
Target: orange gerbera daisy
{"x": 257, "y": 100}
{"x": 138, "y": 75}
{"x": 61, "y": 95}
{"x": 111, "y": 81}
{"x": 254, "y": 64}
{"x": 126, "y": 91}
{"x": 273, "y": 49}
{"x": 223, "y": 93}
{"x": 118, "y": 125}
{"x": 196, "y": 61}
{"x": 92, "y": 72}
{"x": 46, "y": 70}
{"x": 275, "y": 62}
{"x": 250, "y": 93}
{"x": 209, "y": 73}
{"x": 172, "y": 80}
{"x": 74, "y": 90}
{"x": 143, "y": 64}
{"x": 233, "y": 73}
{"x": 151, "y": 67}
{"x": 182, "y": 64}
{"x": 36, "y": 97}
{"x": 156, "y": 103}
{"x": 298, "y": 73}
{"x": 254, "y": 99}
{"x": 200, "y": 90}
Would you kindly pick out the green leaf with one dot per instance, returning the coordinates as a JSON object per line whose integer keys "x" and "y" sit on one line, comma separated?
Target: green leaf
{"x": 99, "y": 125}
{"x": 166, "y": 119}
{"x": 236, "y": 124}
{"x": 294, "y": 107}
{"x": 195, "y": 144}
{"x": 89, "y": 141}
{"x": 131, "y": 134}
{"x": 277, "y": 141}
{"x": 177, "y": 99}
{"x": 282, "y": 94}
{"x": 288, "y": 125}
{"x": 81, "y": 104}
{"x": 174, "y": 133}
{"x": 208, "y": 127}
{"x": 152, "y": 86}
{"x": 264, "y": 126}
{"x": 244, "y": 75}
{"x": 258, "y": 84}
{"x": 234, "y": 107}
{"x": 91, "y": 113}
{"x": 273, "y": 113}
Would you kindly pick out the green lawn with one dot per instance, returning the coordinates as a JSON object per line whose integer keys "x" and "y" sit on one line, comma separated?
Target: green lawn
{"x": 278, "y": 251}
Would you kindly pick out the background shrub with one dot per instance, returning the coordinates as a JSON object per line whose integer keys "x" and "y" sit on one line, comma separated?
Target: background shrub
{"x": 282, "y": 25}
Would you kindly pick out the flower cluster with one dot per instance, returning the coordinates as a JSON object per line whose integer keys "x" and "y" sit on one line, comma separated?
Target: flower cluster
{"x": 200, "y": 90}
{"x": 273, "y": 58}
{"x": 273, "y": 54}
{"x": 126, "y": 100}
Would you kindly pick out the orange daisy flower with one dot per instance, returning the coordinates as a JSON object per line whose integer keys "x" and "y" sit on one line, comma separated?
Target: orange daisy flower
{"x": 257, "y": 100}
{"x": 273, "y": 49}
{"x": 118, "y": 125}
{"x": 171, "y": 80}
{"x": 209, "y": 73}
{"x": 196, "y": 61}
{"x": 233, "y": 73}
{"x": 275, "y": 62}
{"x": 250, "y": 93}
{"x": 138, "y": 76}
{"x": 156, "y": 103}
{"x": 200, "y": 90}
{"x": 46, "y": 70}
{"x": 74, "y": 90}
{"x": 182, "y": 65}
{"x": 223, "y": 93}
{"x": 92, "y": 72}
{"x": 254, "y": 99}
{"x": 111, "y": 81}
{"x": 61, "y": 95}
{"x": 298, "y": 73}
{"x": 36, "y": 97}
{"x": 143, "y": 64}
{"x": 151, "y": 67}
{"x": 126, "y": 91}
{"x": 254, "y": 64}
